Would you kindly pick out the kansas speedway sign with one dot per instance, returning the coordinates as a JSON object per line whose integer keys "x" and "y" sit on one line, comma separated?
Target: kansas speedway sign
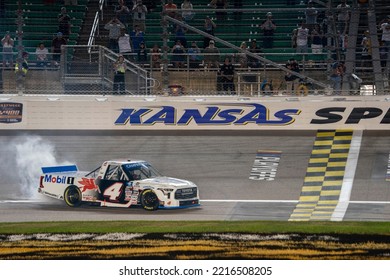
{"x": 256, "y": 115}
{"x": 219, "y": 114}
{"x": 189, "y": 114}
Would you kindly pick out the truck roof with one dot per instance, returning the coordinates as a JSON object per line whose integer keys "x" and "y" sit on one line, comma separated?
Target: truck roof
{"x": 124, "y": 161}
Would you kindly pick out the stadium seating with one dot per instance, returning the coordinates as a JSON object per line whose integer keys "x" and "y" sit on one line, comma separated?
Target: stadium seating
{"x": 236, "y": 31}
{"x": 40, "y": 24}
{"x": 40, "y": 21}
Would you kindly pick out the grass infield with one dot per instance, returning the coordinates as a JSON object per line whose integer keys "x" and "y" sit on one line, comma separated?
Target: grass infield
{"x": 265, "y": 227}
{"x": 195, "y": 240}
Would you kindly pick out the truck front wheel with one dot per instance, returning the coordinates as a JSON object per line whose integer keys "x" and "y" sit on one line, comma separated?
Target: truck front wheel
{"x": 149, "y": 200}
{"x": 72, "y": 196}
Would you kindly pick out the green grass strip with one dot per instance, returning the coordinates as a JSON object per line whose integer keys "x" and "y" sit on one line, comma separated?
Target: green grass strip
{"x": 377, "y": 228}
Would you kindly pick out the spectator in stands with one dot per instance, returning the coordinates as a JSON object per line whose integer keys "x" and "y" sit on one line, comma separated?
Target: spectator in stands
{"x": 338, "y": 69}
{"x": 219, "y": 5}
{"x": 42, "y": 55}
{"x": 122, "y": 12}
{"x": 211, "y": 58}
{"x": 114, "y": 27}
{"x": 70, "y": 2}
{"x": 170, "y": 8}
{"x": 23, "y": 69}
{"x": 8, "y": 44}
{"x": 253, "y": 48}
{"x": 291, "y": 79}
{"x": 178, "y": 57}
{"x": 155, "y": 54}
{"x": 226, "y": 72}
{"x": 137, "y": 37}
{"x": 317, "y": 38}
{"x": 64, "y": 25}
{"x": 268, "y": 26}
{"x": 366, "y": 49}
{"x": 119, "y": 75}
{"x": 56, "y": 49}
{"x": 142, "y": 54}
{"x": 385, "y": 28}
{"x": 180, "y": 32}
{"x": 139, "y": 15}
{"x": 194, "y": 55}
{"x": 187, "y": 12}
{"x": 242, "y": 57}
{"x": 124, "y": 44}
{"x": 294, "y": 38}
{"x": 302, "y": 38}
{"x": 343, "y": 17}
{"x": 209, "y": 28}
{"x": 311, "y": 14}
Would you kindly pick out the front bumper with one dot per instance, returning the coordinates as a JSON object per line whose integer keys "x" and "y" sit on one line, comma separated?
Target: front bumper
{"x": 182, "y": 204}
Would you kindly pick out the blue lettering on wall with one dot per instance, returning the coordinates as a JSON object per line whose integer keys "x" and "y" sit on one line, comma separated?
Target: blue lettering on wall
{"x": 214, "y": 115}
{"x": 132, "y": 116}
{"x": 166, "y": 116}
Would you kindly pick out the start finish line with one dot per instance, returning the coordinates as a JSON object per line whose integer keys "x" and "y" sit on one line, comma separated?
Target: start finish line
{"x": 265, "y": 165}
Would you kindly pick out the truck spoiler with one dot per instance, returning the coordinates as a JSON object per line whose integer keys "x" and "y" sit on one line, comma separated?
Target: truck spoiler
{"x": 58, "y": 169}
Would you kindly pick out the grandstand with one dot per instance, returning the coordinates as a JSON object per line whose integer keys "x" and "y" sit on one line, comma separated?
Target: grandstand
{"x": 38, "y": 23}
{"x": 234, "y": 30}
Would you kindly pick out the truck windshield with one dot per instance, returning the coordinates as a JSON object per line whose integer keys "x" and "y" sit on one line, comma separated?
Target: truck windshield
{"x": 140, "y": 170}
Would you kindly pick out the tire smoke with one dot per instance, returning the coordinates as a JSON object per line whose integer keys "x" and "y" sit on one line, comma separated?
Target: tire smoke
{"x": 31, "y": 153}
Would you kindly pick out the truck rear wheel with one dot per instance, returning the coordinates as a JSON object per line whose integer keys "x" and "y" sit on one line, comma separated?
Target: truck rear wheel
{"x": 149, "y": 200}
{"x": 72, "y": 196}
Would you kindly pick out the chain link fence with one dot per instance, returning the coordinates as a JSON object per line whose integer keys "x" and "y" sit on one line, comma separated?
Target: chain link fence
{"x": 80, "y": 70}
{"x": 89, "y": 70}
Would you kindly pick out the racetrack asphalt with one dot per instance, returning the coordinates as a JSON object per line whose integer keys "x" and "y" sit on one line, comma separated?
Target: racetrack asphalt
{"x": 220, "y": 163}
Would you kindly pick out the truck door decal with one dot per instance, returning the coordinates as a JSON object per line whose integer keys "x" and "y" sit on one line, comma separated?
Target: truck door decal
{"x": 113, "y": 192}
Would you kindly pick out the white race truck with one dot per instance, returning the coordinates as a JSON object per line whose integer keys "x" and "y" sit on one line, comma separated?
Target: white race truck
{"x": 118, "y": 183}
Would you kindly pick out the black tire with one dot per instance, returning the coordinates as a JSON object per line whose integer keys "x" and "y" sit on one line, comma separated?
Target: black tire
{"x": 72, "y": 196}
{"x": 149, "y": 200}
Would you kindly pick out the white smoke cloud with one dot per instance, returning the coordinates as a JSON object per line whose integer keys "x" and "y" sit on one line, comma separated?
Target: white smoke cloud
{"x": 30, "y": 154}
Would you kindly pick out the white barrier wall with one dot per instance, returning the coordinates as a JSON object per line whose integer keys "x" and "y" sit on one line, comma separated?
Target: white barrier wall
{"x": 181, "y": 113}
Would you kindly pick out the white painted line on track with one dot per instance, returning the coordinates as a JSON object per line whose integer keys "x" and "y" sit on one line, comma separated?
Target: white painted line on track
{"x": 21, "y": 201}
{"x": 222, "y": 201}
{"x": 350, "y": 170}
{"x": 369, "y": 202}
{"x": 283, "y": 201}
{"x": 249, "y": 201}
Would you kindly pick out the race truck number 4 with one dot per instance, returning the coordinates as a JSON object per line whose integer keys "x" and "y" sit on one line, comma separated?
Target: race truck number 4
{"x": 118, "y": 183}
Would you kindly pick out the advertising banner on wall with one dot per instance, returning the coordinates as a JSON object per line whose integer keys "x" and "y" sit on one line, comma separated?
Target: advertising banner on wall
{"x": 11, "y": 112}
{"x": 183, "y": 114}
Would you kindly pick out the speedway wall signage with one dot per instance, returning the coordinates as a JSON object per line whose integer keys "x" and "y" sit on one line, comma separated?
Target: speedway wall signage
{"x": 10, "y": 112}
{"x": 170, "y": 114}
{"x": 218, "y": 114}
{"x": 247, "y": 114}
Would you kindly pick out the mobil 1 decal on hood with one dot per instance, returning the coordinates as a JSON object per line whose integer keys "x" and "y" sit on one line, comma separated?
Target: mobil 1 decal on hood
{"x": 216, "y": 114}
